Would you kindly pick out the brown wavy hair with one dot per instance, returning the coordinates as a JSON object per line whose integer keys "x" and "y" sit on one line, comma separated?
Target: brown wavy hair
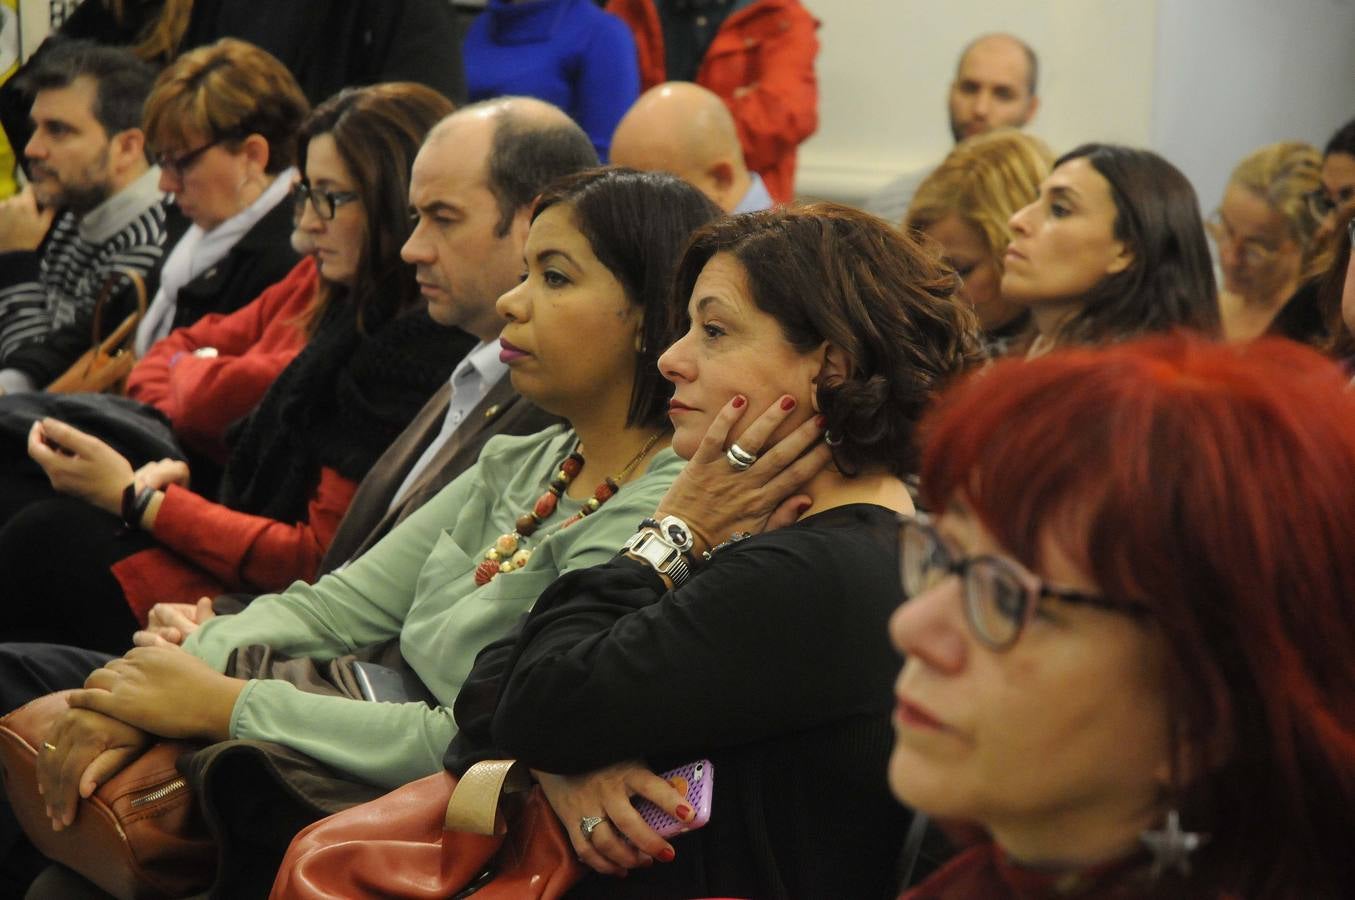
{"x": 828, "y": 272}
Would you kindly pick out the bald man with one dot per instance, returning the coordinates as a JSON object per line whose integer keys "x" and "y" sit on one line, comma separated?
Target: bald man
{"x": 682, "y": 128}
{"x": 994, "y": 87}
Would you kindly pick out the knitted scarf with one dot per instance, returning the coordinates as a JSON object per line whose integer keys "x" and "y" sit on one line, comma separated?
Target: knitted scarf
{"x": 339, "y": 404}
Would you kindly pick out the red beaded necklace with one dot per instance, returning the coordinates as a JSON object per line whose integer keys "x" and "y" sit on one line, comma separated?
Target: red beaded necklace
{"x": 509, "y": 552}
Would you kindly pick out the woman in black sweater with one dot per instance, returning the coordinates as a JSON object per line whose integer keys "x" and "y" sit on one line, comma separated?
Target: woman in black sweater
{"x": 766, "y": 656}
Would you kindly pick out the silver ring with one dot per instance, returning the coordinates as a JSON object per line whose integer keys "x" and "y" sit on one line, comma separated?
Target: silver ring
{"x": 739, "y": 458}
{"x": 49, "y": 746}
{"x": 588, "y": 823}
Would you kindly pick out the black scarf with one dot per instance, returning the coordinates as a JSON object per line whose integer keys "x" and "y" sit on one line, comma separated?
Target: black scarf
{"x": 340, "y": 404}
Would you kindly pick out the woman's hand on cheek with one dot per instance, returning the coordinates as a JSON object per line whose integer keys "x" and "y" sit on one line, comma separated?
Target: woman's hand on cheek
{"x": 165, "y": 691}
{"x": 79, "y": 464}
{"x": 623, "y": 841}
{"x": 90, "y": 749}
{"x": 716, "y": 500}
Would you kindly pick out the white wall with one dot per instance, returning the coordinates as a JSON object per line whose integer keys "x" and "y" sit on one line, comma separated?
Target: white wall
{"x": 1201, "y": 81}
{"x": 1234, "y": 75}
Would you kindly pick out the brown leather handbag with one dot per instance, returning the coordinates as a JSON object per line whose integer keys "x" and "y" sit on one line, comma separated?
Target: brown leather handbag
{"x": 106, "y": 364}
{"x": 138, "y": 836}
{"x": 491, "y": 835}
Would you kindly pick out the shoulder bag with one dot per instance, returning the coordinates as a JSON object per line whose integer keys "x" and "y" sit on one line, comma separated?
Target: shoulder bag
{"x": 138, "y": 836}
{"x": 490, "y": 835}
{"x": 105, "y": 365}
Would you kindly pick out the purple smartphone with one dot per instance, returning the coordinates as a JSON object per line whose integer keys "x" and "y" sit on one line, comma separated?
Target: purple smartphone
{"x": 697, "y": 781}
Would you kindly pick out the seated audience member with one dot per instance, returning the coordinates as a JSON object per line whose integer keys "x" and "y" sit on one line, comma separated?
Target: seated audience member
{"x": 1113, "y": 247}
{"x": 93, "y": 208}
{"x": 1265, "y": 230}
{"x": 566, "y": 52}
{"x": 683, "y": 128}
{"x": 1124, "y": 659}
{"x": 966, "y": 206}
{"x": 1335, "y": 197}
{"x": 994, "y": 87}
{"x": 372, "y": 358}
{"x": 223, "y": 121}
{"x": 757, "y": 55}
{"x": 761, "y": 658}
{"x": 451, "y": 578}
{"x": 486, "y": 163}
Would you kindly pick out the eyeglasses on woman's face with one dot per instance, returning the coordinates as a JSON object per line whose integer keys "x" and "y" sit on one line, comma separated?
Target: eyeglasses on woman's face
{"x": 1253, "y": 252}
{"x": 1322, "y": 204}
{"x": 325, "y": 203}
{"x": 1000, "y": 595}
{"x": 178, "y": 166}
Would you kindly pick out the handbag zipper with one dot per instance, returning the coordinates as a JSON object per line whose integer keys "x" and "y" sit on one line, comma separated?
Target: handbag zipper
{"x": 159, "y": 793}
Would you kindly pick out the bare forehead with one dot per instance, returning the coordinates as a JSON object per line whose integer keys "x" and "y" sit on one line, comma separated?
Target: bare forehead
{"x": 74, "y": 101}
{"x": 996, "y": 59}
{"x": 454, "y": 158}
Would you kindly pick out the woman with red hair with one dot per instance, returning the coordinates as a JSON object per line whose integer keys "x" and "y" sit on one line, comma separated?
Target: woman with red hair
{"x": 1130, "y": 644}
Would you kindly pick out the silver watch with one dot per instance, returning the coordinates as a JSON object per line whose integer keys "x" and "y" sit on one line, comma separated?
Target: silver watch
{"x": 665, "y": 557}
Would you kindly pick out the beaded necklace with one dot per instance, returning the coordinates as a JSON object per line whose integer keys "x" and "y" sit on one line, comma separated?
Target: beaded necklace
{"x": 509, "y": 552}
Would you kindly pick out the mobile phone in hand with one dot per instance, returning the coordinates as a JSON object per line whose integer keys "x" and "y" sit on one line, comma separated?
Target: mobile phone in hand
{"x": 695, "y": 780}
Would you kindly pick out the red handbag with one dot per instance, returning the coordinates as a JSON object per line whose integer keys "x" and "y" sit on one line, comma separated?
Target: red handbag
{"x": 138, "y": 836}
{"x": 491, "y": 835}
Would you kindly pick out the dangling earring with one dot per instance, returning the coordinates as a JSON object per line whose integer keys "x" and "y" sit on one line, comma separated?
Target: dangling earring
{"x": 1171, "y": 847}
{"x": 830, "y": 439}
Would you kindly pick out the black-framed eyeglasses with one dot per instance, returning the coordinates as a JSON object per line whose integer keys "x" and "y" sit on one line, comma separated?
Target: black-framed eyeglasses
{"x": 178, "y": 165}
{"x": 1000, "y": 595}
{"x": 326, "y": 203}
{"x": 1322, "y": 204}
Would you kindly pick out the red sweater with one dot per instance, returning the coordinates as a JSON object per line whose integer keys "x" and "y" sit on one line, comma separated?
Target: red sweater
{"x": 761, "y": 63}
{"x": 206, "y": 548}
{"x": 202, "y": 396}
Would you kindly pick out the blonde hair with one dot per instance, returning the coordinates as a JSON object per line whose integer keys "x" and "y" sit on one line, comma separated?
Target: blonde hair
{"x": 983, "y": 181}
{"x": 227, "y": 91}
{"x": 1283, "y": 175}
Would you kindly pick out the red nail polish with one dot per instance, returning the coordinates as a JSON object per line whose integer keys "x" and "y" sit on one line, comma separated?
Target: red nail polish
{"x": 667, "y": 854}
{"x": 739, "y": 401}
{"x": 821, "y": 421}
{"x": 788, "y": 403}
{"x": 684, "y": 812}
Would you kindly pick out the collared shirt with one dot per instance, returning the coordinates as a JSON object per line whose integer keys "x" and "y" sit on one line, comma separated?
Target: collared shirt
{"x": 756, "y": 198}
{"x": 472, "y": 378}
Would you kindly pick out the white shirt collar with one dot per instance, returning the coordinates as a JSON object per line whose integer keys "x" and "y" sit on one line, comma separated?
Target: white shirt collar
{"x": 484, "y": 358}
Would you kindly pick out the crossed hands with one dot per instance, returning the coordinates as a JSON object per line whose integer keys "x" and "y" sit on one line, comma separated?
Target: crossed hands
{"x": 150, "y": 692}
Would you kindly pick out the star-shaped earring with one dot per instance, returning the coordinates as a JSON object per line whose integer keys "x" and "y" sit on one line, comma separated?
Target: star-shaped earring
{"x": 1171, "y": 847}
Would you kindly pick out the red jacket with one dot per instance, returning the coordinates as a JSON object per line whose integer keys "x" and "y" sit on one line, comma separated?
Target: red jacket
{"x": 206, "y": 548}
{"x": 202, "y": 396}
{"x": 761, "y": 63}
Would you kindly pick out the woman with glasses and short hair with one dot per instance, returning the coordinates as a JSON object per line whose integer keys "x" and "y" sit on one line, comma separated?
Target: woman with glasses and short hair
{"x": 1124, "y": 660}
{"x": 1265, "y": 231}
{"x": 85, "y": 567}
{"x": 1113, "y": 247}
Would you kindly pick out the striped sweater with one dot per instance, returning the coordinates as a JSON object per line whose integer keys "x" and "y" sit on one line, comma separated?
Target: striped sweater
{"x": 47, "y": 297}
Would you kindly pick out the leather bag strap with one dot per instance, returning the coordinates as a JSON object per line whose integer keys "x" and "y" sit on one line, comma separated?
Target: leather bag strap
{"x": 474, "y": 805}
{"x": 124, "y": 329}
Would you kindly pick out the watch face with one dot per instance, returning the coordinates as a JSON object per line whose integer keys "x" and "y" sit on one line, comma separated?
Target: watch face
{"x": 656, "y": 553}
{"x": 676, "y": 531}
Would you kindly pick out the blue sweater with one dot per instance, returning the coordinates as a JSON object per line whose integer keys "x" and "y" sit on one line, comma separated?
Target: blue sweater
{"x": 567, "y": 52}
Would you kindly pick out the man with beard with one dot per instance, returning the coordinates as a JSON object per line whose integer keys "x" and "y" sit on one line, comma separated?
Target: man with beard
{"x": 94, "y": 207}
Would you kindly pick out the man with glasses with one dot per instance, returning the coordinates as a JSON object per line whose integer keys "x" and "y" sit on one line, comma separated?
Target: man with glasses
{"x": 94, "y": 208}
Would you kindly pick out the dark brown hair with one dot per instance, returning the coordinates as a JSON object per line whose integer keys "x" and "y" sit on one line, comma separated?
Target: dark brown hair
{"x": 1341, "y": 343}
{"x": 637, "y": 224}
{"x": 1170, "y": 282}
{"x": 378, "y": 131}
{"x": 828, "y": 272}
